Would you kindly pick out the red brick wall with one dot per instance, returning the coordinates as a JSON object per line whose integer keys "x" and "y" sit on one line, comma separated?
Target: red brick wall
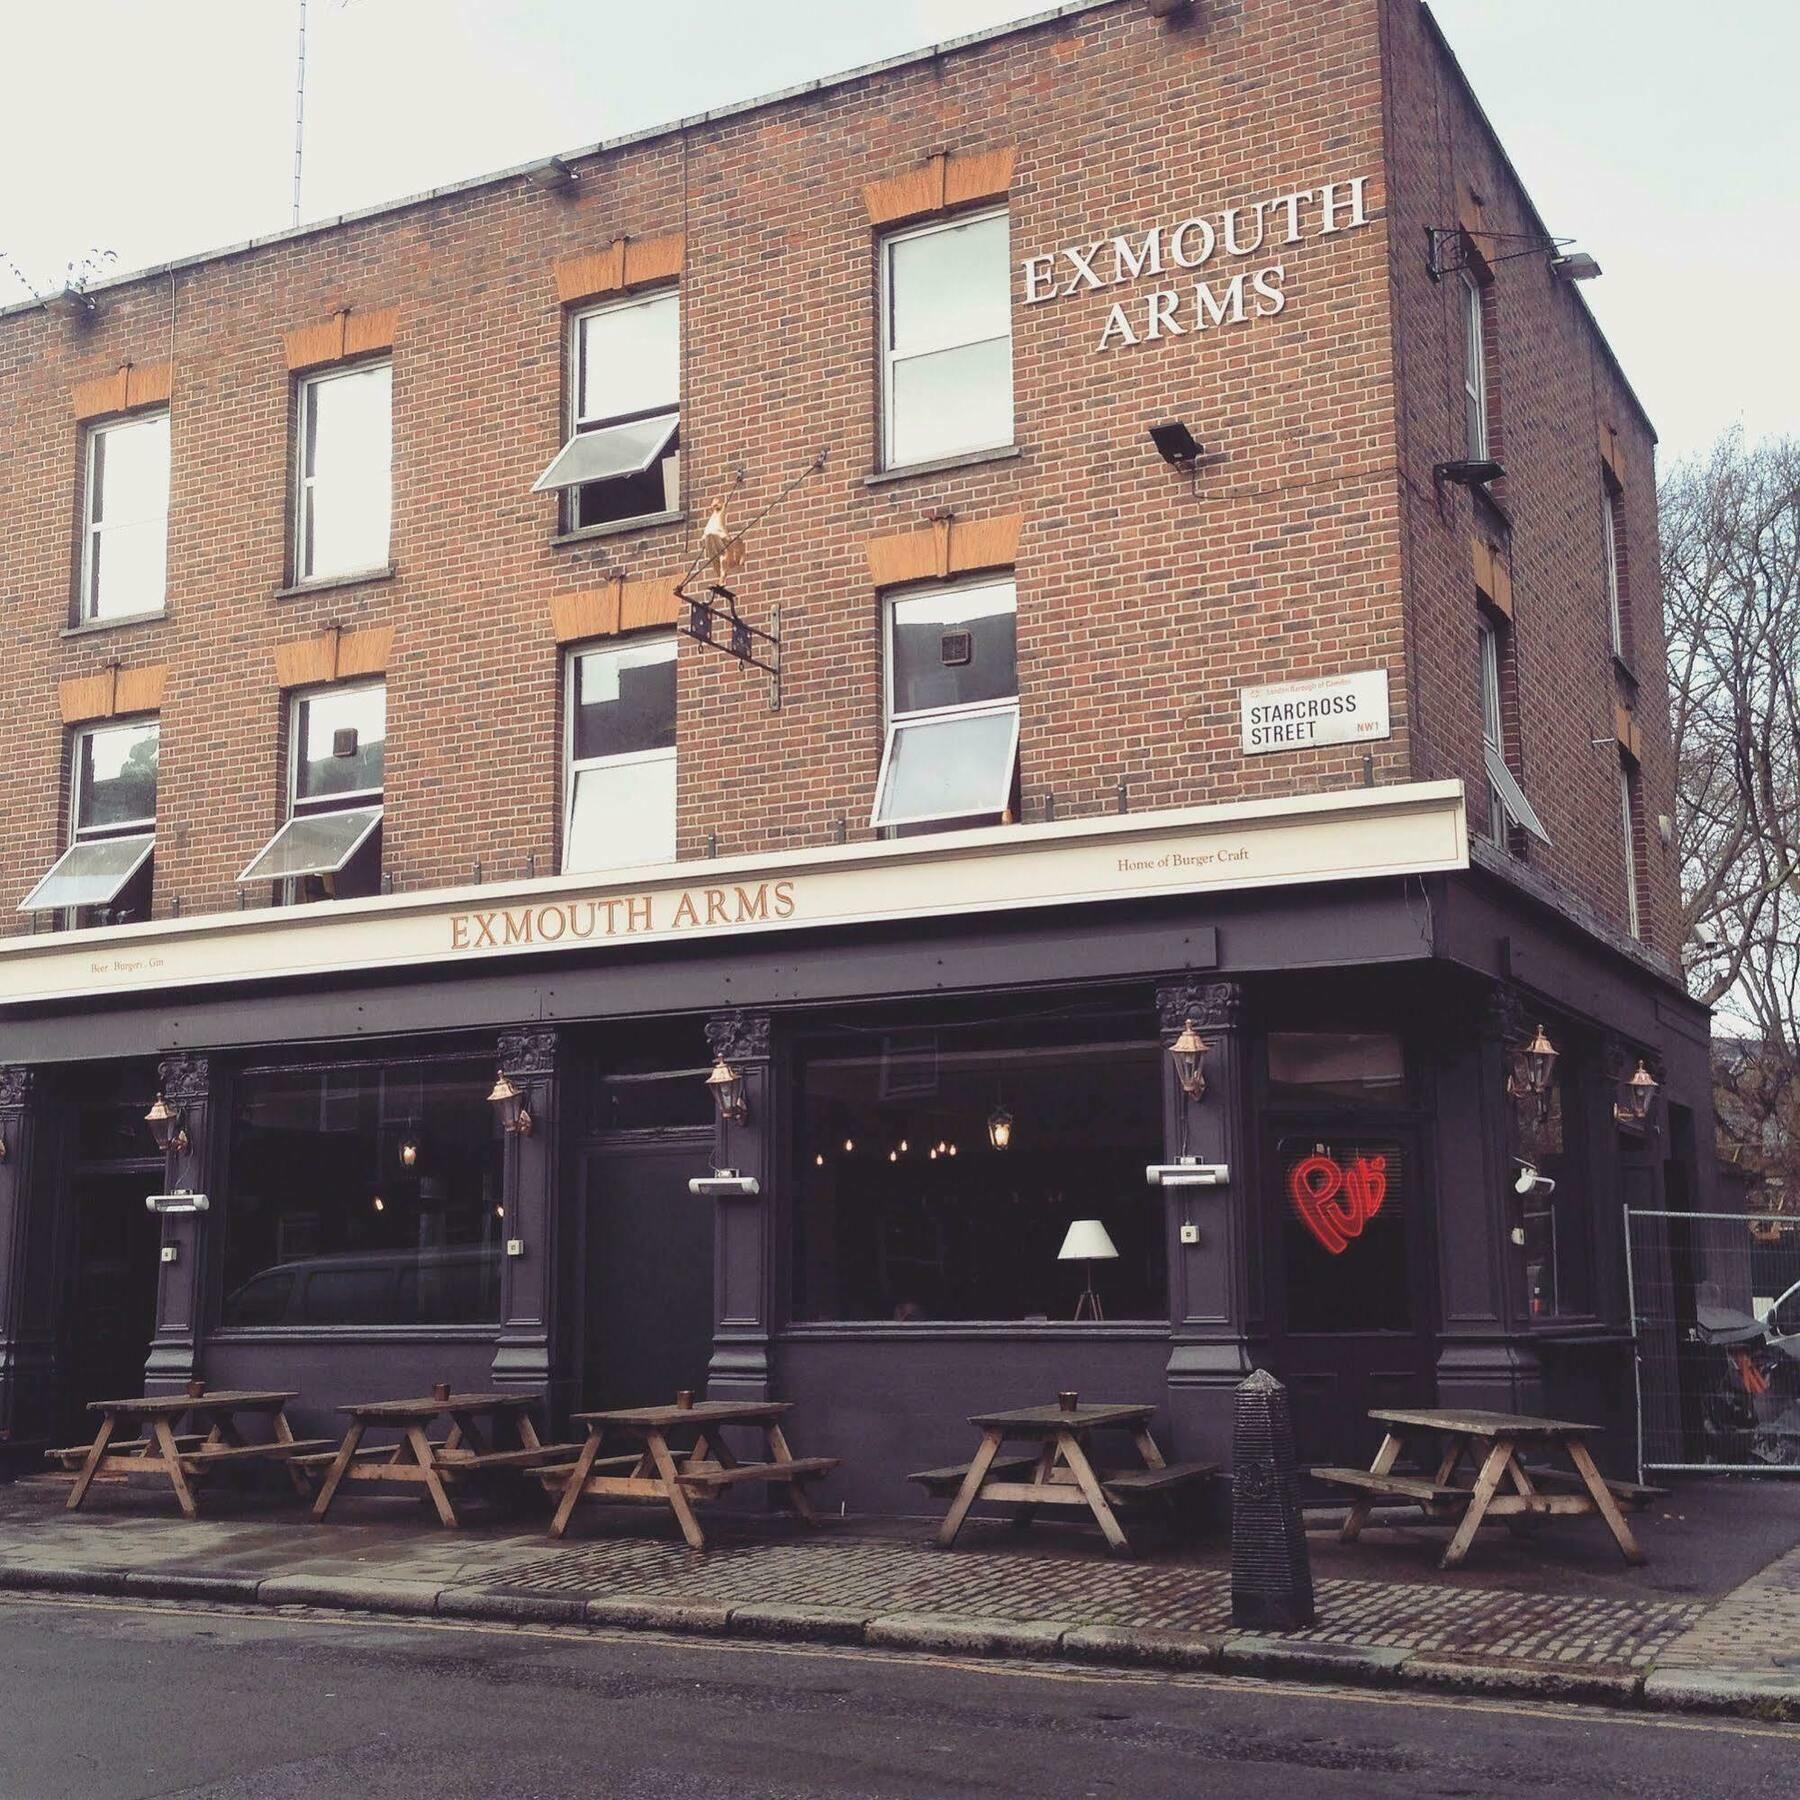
{"x": 1552, "y": 390}
{"x": 1143, "y": 604}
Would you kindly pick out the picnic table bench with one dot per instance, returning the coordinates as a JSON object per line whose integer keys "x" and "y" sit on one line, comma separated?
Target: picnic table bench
{"x": 1060, "y": 1473}
{"x": 184, "y": 1458}
{"x": 435, "y": 1465}
{"x": 678, "y": 1476}
{"x": 1505, "y": 1488}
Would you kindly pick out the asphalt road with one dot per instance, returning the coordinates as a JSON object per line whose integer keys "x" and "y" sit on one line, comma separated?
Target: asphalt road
{"x": 140, "y": 1700}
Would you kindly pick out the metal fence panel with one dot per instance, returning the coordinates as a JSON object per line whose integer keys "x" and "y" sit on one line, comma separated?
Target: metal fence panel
{"x": 1715, "y": 1305}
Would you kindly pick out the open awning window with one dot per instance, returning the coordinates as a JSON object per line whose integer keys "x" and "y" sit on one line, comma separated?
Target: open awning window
{"x": 318, "y": 843}
{"x": 91, "y": 872}
{"x": 956, "y": 765}
{"x": 608, "y": 452}
{"x": 1512, "y": 797}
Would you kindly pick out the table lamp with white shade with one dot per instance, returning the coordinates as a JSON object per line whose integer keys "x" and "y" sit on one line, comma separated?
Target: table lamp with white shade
{"x": 1087, "y": 1242}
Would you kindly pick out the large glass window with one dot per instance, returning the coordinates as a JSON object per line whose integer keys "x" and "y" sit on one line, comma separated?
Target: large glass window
{"x": 620, "y": 780}
{"x": 126, "y": 542}
{"x": 112, "y": 826}
{"x": 1343, "y": 1235}
{"x": 622, "y": 458}
{"x": 1555, "y": 1225}
{"x": 1475, "y": 405}
{"x": 1507, "y": 804}
{"x": 330, "y": 847}
{"x": 364, "y": 1195}
{"x": 953, "y": 707}
{"x": 947, "y": 383}
{"x": 1628, "y": 827}
{"x": 346, "y": 472}
{"x": 940, "y": 1172}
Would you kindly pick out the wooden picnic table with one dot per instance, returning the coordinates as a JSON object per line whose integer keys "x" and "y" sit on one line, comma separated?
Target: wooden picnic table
{"x": 1505, "y": 1487}
{"x": 1061, "y": 1473}
{"x": 214, "y": 1443}
{"x": 469, "y": 1448}
{"x": 679, "y": 1475}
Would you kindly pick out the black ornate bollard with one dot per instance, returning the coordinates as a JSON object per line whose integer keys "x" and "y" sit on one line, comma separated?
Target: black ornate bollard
{"x": 1271, "y": 1578}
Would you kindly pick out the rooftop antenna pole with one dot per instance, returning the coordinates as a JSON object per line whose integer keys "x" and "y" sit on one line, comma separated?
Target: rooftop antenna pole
{"x": 299, "y": 109}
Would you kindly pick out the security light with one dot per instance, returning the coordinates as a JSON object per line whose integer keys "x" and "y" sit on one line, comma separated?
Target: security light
{"x": 1468, "y": 471}
{"x": 1176, "y": 445}
{"x": 552, "y": 176}
{"x": 1575, "y": 266}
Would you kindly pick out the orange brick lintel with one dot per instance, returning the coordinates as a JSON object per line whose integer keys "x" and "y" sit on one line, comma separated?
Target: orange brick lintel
{"x": 947, "y": 546}
{"x": 943, "y": 181}
{"x": 334, "y": 655}
{"x": 626, "y": 263}
{"x": 112, "y": 693}
{"x": 1625, "y": 729}
{"x": 1612, "y": 457}
{"x": 129, "y": 386}
{"x": 619, "y": 606}
{"x": 345, "y": 334}
{"x": 1493, "y": 578}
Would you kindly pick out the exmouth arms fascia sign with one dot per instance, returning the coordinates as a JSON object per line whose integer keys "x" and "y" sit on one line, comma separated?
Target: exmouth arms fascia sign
{"x": 1190, "y": 262}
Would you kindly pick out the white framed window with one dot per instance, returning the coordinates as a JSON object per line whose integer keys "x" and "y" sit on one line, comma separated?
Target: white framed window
{"x": 1507, "y": 804}
{"x": 946, "y": 339}
{"x": 619, "y": 755}
{"x": 112, "y": 824}
{"x": 622, "y": 458}
{"x": 1628, "y": 824}
{"x": 952, "y": 740}
{"x": 344, "y": 479}
{"x": 330, "y": 846}
{"x": 1475, "y": 406}
{"x": 1609, "y": 536}
{"x": 125, "y": 545}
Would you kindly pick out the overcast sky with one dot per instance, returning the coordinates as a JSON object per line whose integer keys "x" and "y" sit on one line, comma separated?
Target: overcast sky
{"x": 1662, "y": 135}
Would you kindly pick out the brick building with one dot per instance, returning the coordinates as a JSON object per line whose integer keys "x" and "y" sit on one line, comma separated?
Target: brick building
{"x": 364, "y": 733}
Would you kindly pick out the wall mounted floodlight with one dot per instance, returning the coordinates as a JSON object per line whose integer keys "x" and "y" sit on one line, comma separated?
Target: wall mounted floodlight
{"x": 1575, "y": 265}
{"x": 1468, "y": 471}
{"x": 176, "y": 1203}
{"x": 1176, "y": 445}
{"x": 1189, "y": 1172}
{"x": 725, "y": 1184}
{"x": 552, "y": 176}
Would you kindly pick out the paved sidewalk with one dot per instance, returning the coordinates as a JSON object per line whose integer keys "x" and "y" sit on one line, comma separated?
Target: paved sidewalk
{"x": 1708, "y": 1626}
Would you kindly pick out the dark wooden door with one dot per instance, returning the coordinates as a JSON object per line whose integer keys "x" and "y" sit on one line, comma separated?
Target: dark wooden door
{"x": 111, "y": 1315}
{"x": 649, "y": 1270}
{"x": 1346, "y": 1213}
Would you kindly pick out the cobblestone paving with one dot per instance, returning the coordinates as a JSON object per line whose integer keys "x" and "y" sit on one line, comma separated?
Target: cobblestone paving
{"x": 900, "y": 1577}
{"x": 1754, "y": 1628}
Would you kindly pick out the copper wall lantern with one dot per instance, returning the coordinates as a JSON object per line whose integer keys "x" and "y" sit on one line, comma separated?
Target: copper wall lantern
{"x": 166, "y": 1127}
{"x": 509, "y": 1097}
{"x": 1188, "y": 1053}
{"x": 726, "y": 1086}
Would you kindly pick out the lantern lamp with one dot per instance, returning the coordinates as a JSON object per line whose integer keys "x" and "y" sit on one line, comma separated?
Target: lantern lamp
{"x": 1532, "y": 1068}
{"x": 1640, "y": 1095}
{"x": 1000, "y": 1128}
{"x": 1188, "y": 1053}
{"x": 509, "y": 1097}
{"x": 726, "y": 1086}
{"x": 166, "y": 1127}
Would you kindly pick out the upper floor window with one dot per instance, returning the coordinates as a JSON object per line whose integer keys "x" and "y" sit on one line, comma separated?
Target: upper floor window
{"x": 330, "y": 847}
{"x": 345, "y": 478}
{"x": 1628, "y": 824}
{"x": 112, "y": 825}
{"x": 124, "y": 567}
{"x": 946, "y": 339}
{"x": 619, "y": 784}
{"x": 1507, "y": 804}
{"x": 1609, "y": 536}
{"x": 622, "y": 459}
{"x": 952, "y": 707}
{"x": 1475, "y": 404}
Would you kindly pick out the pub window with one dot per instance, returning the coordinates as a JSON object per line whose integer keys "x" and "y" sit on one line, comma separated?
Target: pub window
{"x": 951, "y": 754}
{"x": 1507, "y": 805}
{"x": 124, "y": 557}
{"x": 1475, "y": 401}
{"x": 104, "y": 875}
{"x": 330, "y": 846}
{"x": 344, "y": 479}
{"x": 946, "y": 307}
{"x": 938, "y": 1180}
{"x": 1609, "y": 537}
{"x": 619, "y": 783}
{"x": 622, "y": 459}
{"x": 364, "y": 1195}
{"x": 1343, "y": 1231}
{"x": 1628, "y": 827}
{"x": 1368, "y": 1066}
{"x": 1555, "y": 1227}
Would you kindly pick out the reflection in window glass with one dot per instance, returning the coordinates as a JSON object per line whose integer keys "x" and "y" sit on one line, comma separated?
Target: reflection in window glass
{"x": 956, "y": 766}
{"x": 621, "y": 774}
{"x": 1348, "y": 1065}
{"x": 626, "y": 390}
{"x": 933, "y": 668}
{"x": 115, "y": 777}
{"x": 341, "y": 742}
{"x": 908, "y": 1212}
{"x": 346, "y": 471}
{"x": 329, "y": 1223}
{"x": 126, "y": 548}
{"x": 947, "y": 340}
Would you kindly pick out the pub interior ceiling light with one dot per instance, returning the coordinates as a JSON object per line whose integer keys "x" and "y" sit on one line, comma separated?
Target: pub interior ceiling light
{"x": 409, "y": 1150}
{"x": 166, "y": 1127}
{"x": 509, "y": 1097}
{"x": 726, "y": 1086}
{"x": 1000, "y": 1128}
